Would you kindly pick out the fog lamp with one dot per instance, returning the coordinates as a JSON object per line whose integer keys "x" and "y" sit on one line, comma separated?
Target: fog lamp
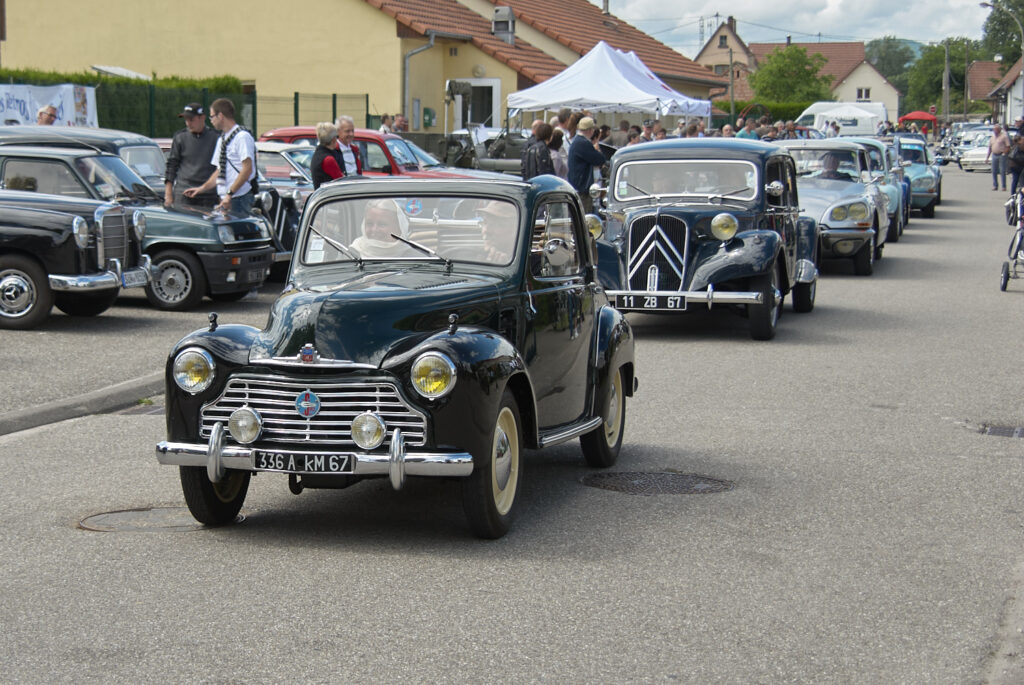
{"x": 368, "y": 430}
{"x": 245, "y": 425}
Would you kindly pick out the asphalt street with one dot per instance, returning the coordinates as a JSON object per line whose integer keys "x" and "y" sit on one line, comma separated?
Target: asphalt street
{"x": 872, "y": 534}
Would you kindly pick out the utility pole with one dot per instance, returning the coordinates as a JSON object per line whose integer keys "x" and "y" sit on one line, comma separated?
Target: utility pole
{"x": 967, "y": 65}
{"x": 732, "y": 94}
{"x": 945, "y": 83}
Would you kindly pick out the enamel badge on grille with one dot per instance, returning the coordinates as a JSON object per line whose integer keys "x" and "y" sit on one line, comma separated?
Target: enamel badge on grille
{"x": 307, "y": 404}
{"x": 308, "y": 354}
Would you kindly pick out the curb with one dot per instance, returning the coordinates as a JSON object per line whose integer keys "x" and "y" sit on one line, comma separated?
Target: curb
{"x": 111, "y": 398}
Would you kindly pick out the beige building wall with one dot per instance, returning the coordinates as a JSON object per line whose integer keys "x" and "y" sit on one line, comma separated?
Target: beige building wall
{"x": 279, "y": 46}
{"x": 866, "y": 77}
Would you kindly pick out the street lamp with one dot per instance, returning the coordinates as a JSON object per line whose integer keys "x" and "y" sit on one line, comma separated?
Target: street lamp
{"x": 993, "y": 6}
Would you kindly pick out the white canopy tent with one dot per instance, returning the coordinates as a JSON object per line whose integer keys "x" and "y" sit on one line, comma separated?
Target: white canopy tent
{"x": 608, "y": 80}
{"x": 852, "y": 119}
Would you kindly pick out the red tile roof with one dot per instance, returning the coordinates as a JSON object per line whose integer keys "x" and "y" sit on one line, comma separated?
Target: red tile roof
{"x": 448, "y": 16}
{"x": 842, "y": 58}
{"x": 1008, "y": 78}
{"x": 982, "y": 78}
{"x": 580, "y": 25}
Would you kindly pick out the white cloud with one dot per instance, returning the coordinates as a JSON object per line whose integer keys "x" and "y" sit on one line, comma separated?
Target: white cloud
{"x": 678, "y": 25}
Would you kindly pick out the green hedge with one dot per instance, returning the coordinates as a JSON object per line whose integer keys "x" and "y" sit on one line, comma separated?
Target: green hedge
{"x": 147, "y": 107}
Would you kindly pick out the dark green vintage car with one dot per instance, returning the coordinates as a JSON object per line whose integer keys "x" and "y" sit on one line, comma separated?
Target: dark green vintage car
{"x": 703, "y": 222}
{"x": 428, "y": 328}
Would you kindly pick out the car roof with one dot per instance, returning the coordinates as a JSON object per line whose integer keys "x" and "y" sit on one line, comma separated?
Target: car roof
{"x": 277, "y": 146}
{"x": 76, "y": 136}
{"x": 821, "y": 144}
{"x": 711, "y": 146}
{"x": 53, "y": 152}
{"x": 364, "y": 133}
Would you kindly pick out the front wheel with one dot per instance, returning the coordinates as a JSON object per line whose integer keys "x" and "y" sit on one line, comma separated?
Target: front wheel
{"x": 864, "y": 260}
{"x": 1004, "y": 277}
{"x": 213, "y": 504}
{"x": 895, "y": 228}
{"x": 601, "y": 445}
{"x": 489, "y": 493}
{"x": 25, "y": 295}
{"x": 180, "y": 282}
{"x": 928, "y": 211}
{"x": 764, "y": 317}
{"x": 74, "y": 304}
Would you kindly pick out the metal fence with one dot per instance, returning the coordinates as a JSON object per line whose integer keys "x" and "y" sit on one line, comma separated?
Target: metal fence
{"x": 153, "y": 111}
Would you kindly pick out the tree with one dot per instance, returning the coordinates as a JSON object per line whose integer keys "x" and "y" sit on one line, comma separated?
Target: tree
{"x": 1002, "y": 35}
{"x": 892, "y": 57}
{"x": 790, "y": 75}
{"x": 924, "y": 78}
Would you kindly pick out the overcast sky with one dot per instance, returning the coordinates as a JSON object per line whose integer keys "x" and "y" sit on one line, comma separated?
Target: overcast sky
{"x": 758, "y": 21}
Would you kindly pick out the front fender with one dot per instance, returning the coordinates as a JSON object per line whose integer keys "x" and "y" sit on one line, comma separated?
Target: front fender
{"x": 748, "y": 254}
{"x": 615, "y": 350}
{"x": 485, "y": 364}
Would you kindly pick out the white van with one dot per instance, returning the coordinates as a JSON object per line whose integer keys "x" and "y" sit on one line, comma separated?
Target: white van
{"x": 878, "y": 109}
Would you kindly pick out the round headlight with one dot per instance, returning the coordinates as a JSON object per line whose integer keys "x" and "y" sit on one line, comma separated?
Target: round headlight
{"x": 245, "y": 425}
{"x": 724, "y": 226}
{"x": 433, "y": 375}
{"x": 858, "y": 211}
{"x": 594, "y": 225}
{"x": 139, "y": 220}
{"x": 368, "y": 430}
{"x": 80, "y": 228}
{"x": 838, "y": 214}
{"x": 193, "y": 370}
{"x": 266, "y": 201}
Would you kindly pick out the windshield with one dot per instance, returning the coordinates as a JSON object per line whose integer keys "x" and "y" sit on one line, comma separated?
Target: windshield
{"x": 112, "y": 178}
{"x": 456, "y": 228}
{"x": 145, "y": 160}
{"x": 690, "y": 177}
{"x": 836, "y": 165}
{"x": 302, "y": 157}
{"x": 913, "y": 154}
{"x": 402, "y": 154}
{"x": 425, "y": 159}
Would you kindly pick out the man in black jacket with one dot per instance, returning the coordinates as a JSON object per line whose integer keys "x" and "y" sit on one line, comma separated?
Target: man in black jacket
{"x": 188, "y": 164}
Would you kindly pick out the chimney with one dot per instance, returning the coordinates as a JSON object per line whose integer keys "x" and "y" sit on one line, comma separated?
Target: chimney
{"x": 503, "y": 25}
{"x": 789, "y": 40}
{"x": 731, "y": 23}
{"x": 604, "y": 8}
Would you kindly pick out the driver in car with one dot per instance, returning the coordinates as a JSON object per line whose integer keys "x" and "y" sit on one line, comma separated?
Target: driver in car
{"x": 830, "y": 162}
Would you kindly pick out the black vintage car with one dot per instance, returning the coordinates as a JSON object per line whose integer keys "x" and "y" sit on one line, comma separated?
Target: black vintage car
{"x": 428, "y": 328}
{"x": 708, "y": 221}
{"x": 194, "y": 253}
{"x": 76, "y": 254}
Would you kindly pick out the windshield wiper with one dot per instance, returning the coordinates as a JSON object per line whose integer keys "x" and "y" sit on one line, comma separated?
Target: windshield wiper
{"x": 728, "y": 195}
{"x": 425, "y": 250}
{"x": 340, "y": 248}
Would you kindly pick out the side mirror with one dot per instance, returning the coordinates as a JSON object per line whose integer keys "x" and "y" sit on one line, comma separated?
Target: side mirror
{"x": 775, "y": 189}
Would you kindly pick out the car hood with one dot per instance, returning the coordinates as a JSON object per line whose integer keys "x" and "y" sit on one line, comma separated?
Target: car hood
{"x": 371, "y": 315}
{"x": 916, "y": 170}
{"x": 817, "y": 195}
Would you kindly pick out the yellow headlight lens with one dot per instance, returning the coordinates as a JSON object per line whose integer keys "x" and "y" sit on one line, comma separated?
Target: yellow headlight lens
{"x": 839, "y": 214}
{"x": 193, "y": 370}
{"x": 724, "y": 226}
{"x": 594, "y": 225}
{"x": 859, "y": 211}
{"x": 433, "y": 375}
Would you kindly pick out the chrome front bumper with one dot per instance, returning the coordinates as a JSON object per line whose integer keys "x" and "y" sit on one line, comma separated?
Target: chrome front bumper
{"x": 113, "y": 277}
{"x": 217, "y": 456}
{"x": 710, "y": 295}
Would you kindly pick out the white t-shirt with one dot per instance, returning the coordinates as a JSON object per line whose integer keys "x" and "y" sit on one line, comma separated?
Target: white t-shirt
{"x": 241, "y": 148}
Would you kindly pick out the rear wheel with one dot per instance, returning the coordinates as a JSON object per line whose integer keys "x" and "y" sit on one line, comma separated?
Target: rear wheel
{"x": 25, "y": 295}
{"x": 213, "y": 504}
{"x": 489, "y": 493}
{"x": 895, "y": 228}
{"x": 1004, "y": 277}
{"x": 180, "y": 282}
{"x": 764, "y": 317}
{"x": 864, "y": 260}
{"x": 601, "y": 445}
{"x": 74, "y": 304}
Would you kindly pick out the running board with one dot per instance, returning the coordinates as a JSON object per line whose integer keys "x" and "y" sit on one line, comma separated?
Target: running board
{"x": 566, "y": 433}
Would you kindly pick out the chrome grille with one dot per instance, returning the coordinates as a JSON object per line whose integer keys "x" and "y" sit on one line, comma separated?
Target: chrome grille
{"x": 112, "y": 237}
{"x": 340, "y": 402}
{"x": 658, "y": 245}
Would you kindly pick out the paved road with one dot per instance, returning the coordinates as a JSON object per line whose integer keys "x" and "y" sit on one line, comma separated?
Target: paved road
{"x": 872, "y": 533}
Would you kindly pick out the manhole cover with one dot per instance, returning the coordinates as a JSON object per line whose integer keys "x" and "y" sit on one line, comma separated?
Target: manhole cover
{"x": 638, "y": 483}
{"x": 1004, "y": 431}
{"x": 146, "y": 520}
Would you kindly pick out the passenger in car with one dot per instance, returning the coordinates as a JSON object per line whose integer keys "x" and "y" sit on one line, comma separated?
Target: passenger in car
{"x": 382, "y": 221}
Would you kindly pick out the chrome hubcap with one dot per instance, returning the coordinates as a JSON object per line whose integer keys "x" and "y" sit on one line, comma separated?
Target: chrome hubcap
{"x": 174, "y": 282}
{"x": 502, "y": 460}
{"x": 17, "y": 294}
